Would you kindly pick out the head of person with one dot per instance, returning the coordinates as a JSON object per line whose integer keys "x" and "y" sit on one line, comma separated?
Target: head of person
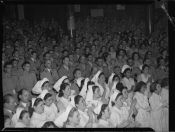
{"x": 155, "y": 87}
{"x": 80, "y": 102}
{"x": 160, "y": 61}
{"x": 65, "y": 53}
{"x": 127, "y": 73}
{"x": 100, "y": 61}
{"x": 7, "y": 122}
{"x": 8, "y": 67}
{"x": 122, "y": 52}
{"x": 90, "y": 57}
{"x": 65, "y": 61}
{"x": 104, "y": 112}
{"x": 96, "y": 92}
{"x": 14, "y": 62}
{"x": 140, "y": 87}
{"x": 33, "y": 54}
{"x": 38, "y": 106}
{"x": 26, "y": 66}
{"x": 15, "y": 54}
{"x": 9, "y": 102}
{"x": 77, "y": 73}
{"x": 46, "y": 56}
{"x": 122, "y": 89}
{"x": 135, "y": 56}
{"x": 117, "y": 70}
{"x": 148, "y": 54}
{"x": 48, "y": 64}
{"x": 111, "y": 49}
{"x": 73, "y": 117}
{"x": 116, "y": 78}
{"x": 101, "y": 78}
{"x": 24, "y": 117}
{"x": 147, "y": 61}
{"x": 65, "y": 90}
{"x": 48, "y": 99}
{"x": 77, "y": 50}
{"x": 45, "y": 85}
{"x": 24, "y": 95}
{"x": 118, "y": 100}
{"x": 145, "y": 69}
{"x": 130, "y": 62}
{"x": 82, "y": 59}
{"x": 49, "y": 124}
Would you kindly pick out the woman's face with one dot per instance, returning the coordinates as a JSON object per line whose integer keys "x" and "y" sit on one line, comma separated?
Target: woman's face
{"x": 102, "y": 78}
{"x": 49, "y": 101}
{"x": 119, "y": 101}
{"x": 27, "y": 67}
{"x": 125, "y": 93}
{"x": 82, "y": 103}
{"x": 97, "y": 93}
{"x": 26, "y": 119}
{"x": 66, "y": 81}
{"x": 128, "y": 73}
{"x": 67, "y": 91}
{"x": 40, "y": 107}
{"x": 116, "y": 79}
{"x": 46, "y": 86}
{"x": 78, "y": 74}
{"x": 146, "y": 70}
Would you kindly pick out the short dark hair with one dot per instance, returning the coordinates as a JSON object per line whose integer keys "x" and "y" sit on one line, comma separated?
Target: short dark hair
{"x": 49, "y": 123}
{"x": 25, "y": 63}
{"x": 47, "y": 96}
{"x": 76, "y": 69}
{"x": 103, "y": 107}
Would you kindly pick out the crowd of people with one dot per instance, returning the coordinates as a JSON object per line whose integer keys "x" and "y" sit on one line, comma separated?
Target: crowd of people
{"x": 110, "y": 75}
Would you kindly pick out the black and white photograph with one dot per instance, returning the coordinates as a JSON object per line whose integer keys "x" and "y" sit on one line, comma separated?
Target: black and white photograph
{"x": 86, "y": 65}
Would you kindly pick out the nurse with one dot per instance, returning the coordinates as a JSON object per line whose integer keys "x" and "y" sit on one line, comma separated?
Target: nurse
{"x": 73, "y": 119}
{"x": 64, "y": 95}
{"x": 86, "y": 114}
{"x": 156, "y": 107}
{"x": 103, "y": 117}
{"x": 142, "y": 105}
{"x": 99, "y": 80}
{"x": 119, "y": 114}
{"x": 127, "y": 80}
{"x": 50, "y": 109}
{"x": 40, "y": 86}
{"x": 23, "y": 119}
{"x": 38, "y": 117}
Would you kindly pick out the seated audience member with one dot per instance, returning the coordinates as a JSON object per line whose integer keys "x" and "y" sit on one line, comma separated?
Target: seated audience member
{"x": 28, "y": 79}
{"x": 9, "y": 103}
{"x": 49, "y": 124}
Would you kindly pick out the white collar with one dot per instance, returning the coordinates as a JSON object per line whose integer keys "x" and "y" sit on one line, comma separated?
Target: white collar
{"x": 24, "y": 104}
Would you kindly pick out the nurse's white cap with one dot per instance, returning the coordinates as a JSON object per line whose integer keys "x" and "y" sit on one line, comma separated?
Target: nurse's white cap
{"x": 33, "y": 101}
{"x": 89, "y": 95}
{"x": 59, "y": 121}
{"x": 37, "y": 89}
{"x": 125, "y": 67}
{"x": 95, "y": 78}
{"x": 84, "y": 89}
{"x": 57, "y": 85}
{"x": 110, "y": 78}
